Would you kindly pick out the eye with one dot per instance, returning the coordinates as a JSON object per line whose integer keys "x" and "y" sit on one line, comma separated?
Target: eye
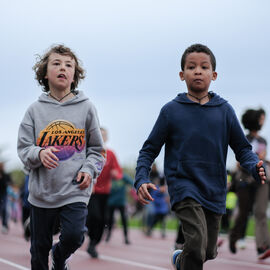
{"x": 68, "y": 65}
{"x": 190, "y": 67}
{"x": 55, "y": 63}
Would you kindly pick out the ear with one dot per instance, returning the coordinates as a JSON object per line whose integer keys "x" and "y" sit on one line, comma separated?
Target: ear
{"x": 214, "y": 76}
{"x": 181, "y": 75}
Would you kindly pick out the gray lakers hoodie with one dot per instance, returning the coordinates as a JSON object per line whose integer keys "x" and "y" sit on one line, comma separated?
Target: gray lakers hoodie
{"x": 73, "y": 128}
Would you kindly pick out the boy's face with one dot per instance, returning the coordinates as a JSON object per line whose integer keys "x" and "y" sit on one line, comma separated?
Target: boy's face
{"x": 198, "y": 72}
{"x": 60, "y": 72}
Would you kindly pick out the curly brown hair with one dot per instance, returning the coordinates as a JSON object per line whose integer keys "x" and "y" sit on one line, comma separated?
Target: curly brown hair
{"x": 40, "y": 67}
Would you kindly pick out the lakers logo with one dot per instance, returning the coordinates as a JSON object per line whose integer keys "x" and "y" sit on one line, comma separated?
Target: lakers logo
{"x": 64, "y": 136}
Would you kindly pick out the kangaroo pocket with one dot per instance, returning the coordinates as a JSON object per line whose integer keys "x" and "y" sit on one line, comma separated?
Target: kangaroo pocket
{"x": 208, "y": 177}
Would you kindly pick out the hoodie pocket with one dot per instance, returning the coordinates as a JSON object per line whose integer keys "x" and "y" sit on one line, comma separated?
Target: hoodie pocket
{"x": 208, "y": 177}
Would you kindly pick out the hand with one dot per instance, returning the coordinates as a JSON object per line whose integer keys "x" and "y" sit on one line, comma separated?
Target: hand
{"x": 86, "y": 180}
{"x": 261, "y": 171}
{"x": 143, "y": 195}
{"x": 48, "y": 158}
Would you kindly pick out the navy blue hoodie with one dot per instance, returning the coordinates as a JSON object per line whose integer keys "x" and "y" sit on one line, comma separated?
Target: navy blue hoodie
{"x": 196, "y": 139}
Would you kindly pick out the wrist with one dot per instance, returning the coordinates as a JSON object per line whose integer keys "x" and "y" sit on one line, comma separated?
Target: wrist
{"x": 40, "y": 152}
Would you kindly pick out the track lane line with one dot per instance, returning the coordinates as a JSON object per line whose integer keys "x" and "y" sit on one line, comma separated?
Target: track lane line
{"x": 124, "y": 261}
{"x": 17, "y": 266}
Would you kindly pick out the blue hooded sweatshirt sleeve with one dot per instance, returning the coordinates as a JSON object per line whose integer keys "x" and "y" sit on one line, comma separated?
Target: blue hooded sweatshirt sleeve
{"x": 196, "y": 139}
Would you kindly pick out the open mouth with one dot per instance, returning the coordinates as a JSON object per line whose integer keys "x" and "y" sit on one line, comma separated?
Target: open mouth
{"x": 62, "y": 76}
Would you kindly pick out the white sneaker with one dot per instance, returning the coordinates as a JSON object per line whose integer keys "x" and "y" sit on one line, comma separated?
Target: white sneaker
{"x": 241, "y": 244}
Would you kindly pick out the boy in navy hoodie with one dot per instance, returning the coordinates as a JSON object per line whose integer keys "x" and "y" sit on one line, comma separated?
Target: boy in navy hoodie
{"x": 196, "y": 127}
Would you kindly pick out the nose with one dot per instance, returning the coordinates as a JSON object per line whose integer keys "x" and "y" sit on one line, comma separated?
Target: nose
{"x": 62, "y": 66}
{"x": 198, "y": 70}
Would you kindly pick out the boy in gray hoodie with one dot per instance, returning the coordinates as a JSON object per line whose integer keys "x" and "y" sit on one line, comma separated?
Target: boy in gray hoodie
{"x": 60, "y": 142}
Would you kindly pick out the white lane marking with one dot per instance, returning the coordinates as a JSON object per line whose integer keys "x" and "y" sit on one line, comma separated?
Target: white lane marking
{"x": 243, "y": 263}
{"x": 124, "y": 261}
{"x": 13, "y": 264}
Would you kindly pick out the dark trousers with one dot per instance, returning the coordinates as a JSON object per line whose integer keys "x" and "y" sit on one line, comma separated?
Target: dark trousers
{"x": 96, "y": 218}
{"x": 111, "y": 210}
{"x": 72, "y": 221}
{"x": 200, "y": 229}
{"x": 180, "y": 237}
{"x": 246, "y": 198}
{"x": 3, "y": 210}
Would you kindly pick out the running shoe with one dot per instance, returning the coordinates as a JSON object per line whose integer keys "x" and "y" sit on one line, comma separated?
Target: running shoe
{"x": 264, "y": 255}
{"x": 175, "y": 258}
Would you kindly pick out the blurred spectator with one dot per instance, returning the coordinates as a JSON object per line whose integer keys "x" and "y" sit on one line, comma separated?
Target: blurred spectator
{"x": 4, "y": 182}
{"x": 149, "y": 210}
{"x": 160, "y": 208}
{"x": 98, "y": 202}
{"x": 231, "y": 201}
{"x": 25, "y": 208}
{"x": 251, "y": 194}
{"x": 117, "y": 201}
{"x": 13, "y": 207}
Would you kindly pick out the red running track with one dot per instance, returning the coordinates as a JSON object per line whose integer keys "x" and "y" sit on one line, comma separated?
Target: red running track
{"x": 144, "y": 253}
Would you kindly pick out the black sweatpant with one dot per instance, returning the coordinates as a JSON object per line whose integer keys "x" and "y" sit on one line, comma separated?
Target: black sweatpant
{"x": 96, "y": 218}
{"x": 72, "y": 222}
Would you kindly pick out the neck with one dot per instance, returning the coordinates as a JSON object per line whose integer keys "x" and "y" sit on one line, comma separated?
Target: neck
{"x": 254, "y": 133}
{"x": 201, "y": 98}
{"x": 61, "y": 96}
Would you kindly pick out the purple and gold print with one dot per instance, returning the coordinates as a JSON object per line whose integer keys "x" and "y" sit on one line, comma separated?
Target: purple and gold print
{"x": 64, "y": 136}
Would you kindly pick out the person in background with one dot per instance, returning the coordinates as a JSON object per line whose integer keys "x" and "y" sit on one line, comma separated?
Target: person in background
{"x": 160, "y": 208}
{"x": 24, "y": 192}
{"x": 98, "y": 203}
{"x": 5, "y": 180}
{"x": 149, "y": 209}
{"x": 117, "y": 201}
{"x": 14, "y": 209}
{"x": 231, "y": 200}
{"x": 252, "y": 195}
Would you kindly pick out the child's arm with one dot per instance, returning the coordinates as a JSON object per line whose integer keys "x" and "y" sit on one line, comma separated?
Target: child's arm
{"x": 27, "y": 149}
{"x": 148, "y": 153}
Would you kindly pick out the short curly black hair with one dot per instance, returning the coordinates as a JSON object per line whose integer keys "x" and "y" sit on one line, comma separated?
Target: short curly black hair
{"x": 199, "y": 48}
{"x": 40, "y": 67}
{"x": 251, "y": 119}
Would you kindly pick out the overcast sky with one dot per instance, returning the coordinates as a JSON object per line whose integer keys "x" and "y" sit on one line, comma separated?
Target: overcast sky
{"x": 131, "y": 51}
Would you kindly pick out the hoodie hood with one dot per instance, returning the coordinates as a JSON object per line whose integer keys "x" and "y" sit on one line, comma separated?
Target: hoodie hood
{"x": 215, "y": 100}
{"x": 79, "y": 97}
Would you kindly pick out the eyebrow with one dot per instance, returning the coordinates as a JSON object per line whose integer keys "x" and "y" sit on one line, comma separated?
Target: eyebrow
{"x": 193, "y": 62}
{"x": 57, "y": 59}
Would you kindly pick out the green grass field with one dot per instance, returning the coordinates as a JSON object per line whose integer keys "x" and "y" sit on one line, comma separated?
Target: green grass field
{"x": 172, "y": 224}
